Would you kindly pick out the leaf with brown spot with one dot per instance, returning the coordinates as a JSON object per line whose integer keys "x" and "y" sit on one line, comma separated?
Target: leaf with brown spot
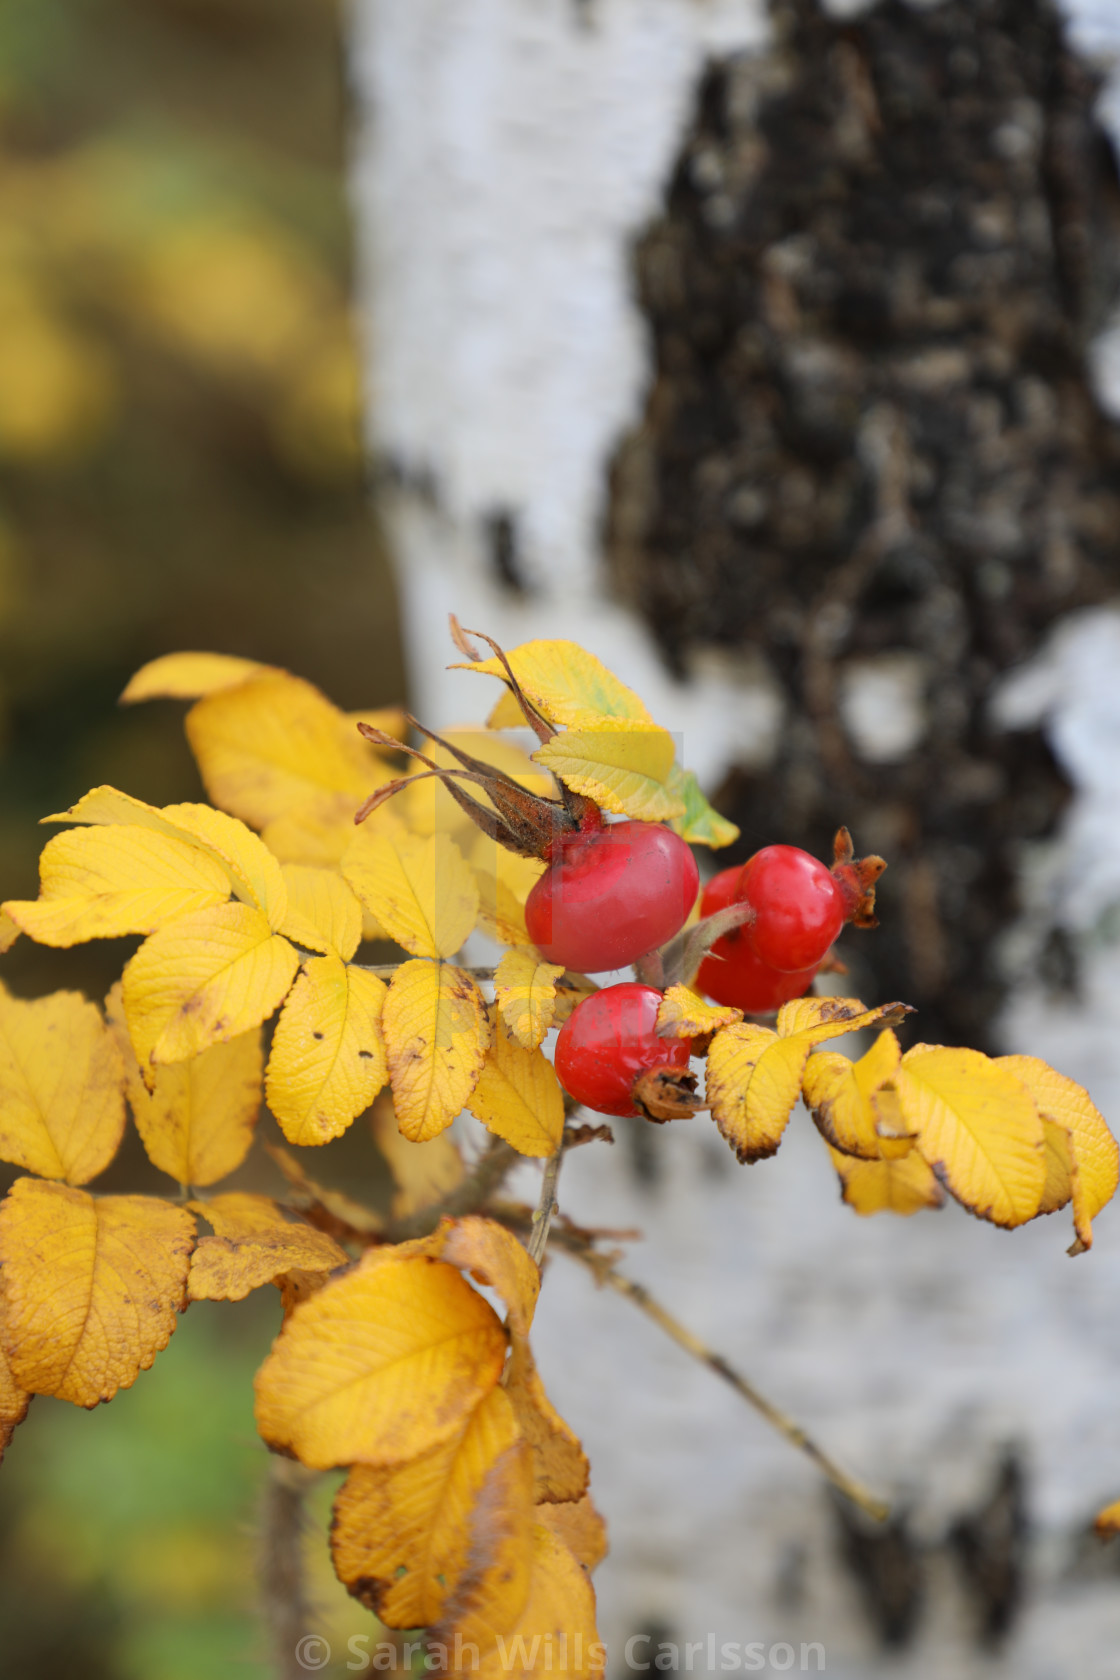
{"x": 254, "y": 1244}
{"x": 400, "y": 1536}
{"x": 93, "y": 1287}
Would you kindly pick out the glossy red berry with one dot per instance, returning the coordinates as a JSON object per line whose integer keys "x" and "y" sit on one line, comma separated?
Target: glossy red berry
{"x": 733, "y": 973}
{"x": 611, "y": 895}
{"x": 798, "y": 907}
{"x": 609, "y": 1041}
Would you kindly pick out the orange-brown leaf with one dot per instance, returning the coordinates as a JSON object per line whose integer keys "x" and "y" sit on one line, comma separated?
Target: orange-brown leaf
{"x": 400, "y": 1536}
{"x": 93, "y": 1287}
{"x": 254, "y": 1244}
{"x": 580, "y": 1527}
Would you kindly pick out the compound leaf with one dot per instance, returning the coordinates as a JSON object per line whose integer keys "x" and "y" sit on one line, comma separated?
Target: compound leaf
{"x": 681, "y": 1014}
{"x": 1094, "y": 1159}
{"x": 323, "y": 913}
{"x": 100, "y": 883}
{"x": 274, "y": 744}
{"x": 188, "y": 676}
{"x": 328, "y": 1056}
{"x": 525, "y": 988}
{"x": 699, "y": 823}
{"x": 197, "y": 1121}
{"x": 624, "y": 766}
{"x": 93, "y": 1287}
{"x": 421, "y": 891}
{"x": 253, "y": 1244}
{"x": 436, "y": 1035}
{"x": 384, "y": 1363}
{"x": 61, "y": 1087}
{"x": 504, "y": 881}
{"x": 400, "y": 1536}
{"x": 565, "y": 683}
{"x": 903, "y": 1186}
{"x": 978, "y": 1127}
{"x": 202, "y": 980}
{"x": 518, "y": 1096}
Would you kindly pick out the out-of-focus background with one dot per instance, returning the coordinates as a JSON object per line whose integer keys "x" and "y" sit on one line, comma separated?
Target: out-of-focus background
{"x": 180, "y": 466}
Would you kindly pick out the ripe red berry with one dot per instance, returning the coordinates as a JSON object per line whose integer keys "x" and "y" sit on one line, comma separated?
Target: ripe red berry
{"x": 609, "y": 1041}
{"x": 611, "y": 895}
{"x": 733, "y": 973}
{"x": 798, "y": 907}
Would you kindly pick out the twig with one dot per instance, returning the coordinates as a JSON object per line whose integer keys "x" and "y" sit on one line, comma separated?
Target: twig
{"x": 282, "y": 1585}
{"x": 385, "y": 971}
{"x": 781, "y": 1421}
{"x": 470, "y": 1194}
{"x": 545, "y": 1208}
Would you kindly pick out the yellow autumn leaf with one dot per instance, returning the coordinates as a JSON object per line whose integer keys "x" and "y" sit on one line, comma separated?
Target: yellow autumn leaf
{"x": 681, "y": 1014}
{"x": 495, "y": 1258}
{"x": 525, "y": 988}
{"x": 556, "y": 1633}
{"x": 560, "y": 1468}
{"x": 436, "y": 1035}
{"x": 202, "y": 980}
{"x": 197, "y": 1121}
{"x": 400, "y": 1536}
{"x": 274, "y": 744}
{"x": 93, "y": 1286}
{"x": 490, "y": 1595}
{"x": 328, "y": 1055}
{"x": 100, "y": 883}
{"x": 570, "y": 993}
{"x": 565, "y": 683}
{"x": 9, "y": 932}
{"x": 851, "y": 1101}
{"x": 323, "y": 913}
{"x": 579, "y": 1526}
{"x": 1057, "y": 1191}
{"x": 1093, "y": 1153}
{"x": 504, "y": 882}
{"x": 819, "y": 1018}
{"x": 308, "y": 838}
{"x": 14, "y": 1401}
{"x": 518, "y": 1096}
{"x": 903, "y": 1186}
{"x": 188, "y": 676}
{"x": 61, "y": 1087}
{"x": 423, "y": 1172}
{"x": 387, "y": 1361}
{"x": 624, "y": 766}
{"x": 422, "y": 892}
{"x": 253, "y": 1244}
{"x": 978, "y": 1127}
{"x": 252, "y": 871}
{"x": 752, "y": 1083}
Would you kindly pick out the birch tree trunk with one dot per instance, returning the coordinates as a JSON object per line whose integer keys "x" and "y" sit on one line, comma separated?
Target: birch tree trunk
{"x": 507, "y": 155}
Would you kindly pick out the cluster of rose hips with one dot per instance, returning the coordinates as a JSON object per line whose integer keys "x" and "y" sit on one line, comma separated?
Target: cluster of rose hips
{"x": 617, "y": 893}
{"x": 613, "y": 895}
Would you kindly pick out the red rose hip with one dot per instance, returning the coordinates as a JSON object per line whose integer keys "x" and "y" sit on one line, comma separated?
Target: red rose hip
{"x": 798, "y": 907}
{"x": 612, "y": 894}
{"x": 733, "y": 973}
{"x": 609, "y": 1041}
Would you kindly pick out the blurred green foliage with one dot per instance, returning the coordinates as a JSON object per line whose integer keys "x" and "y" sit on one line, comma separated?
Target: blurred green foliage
{"x": 180, "y": 466}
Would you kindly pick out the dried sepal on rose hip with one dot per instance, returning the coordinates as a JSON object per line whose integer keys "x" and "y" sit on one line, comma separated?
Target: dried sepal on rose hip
{"x": 798, "y": 906}
{"x": 612, "y": 891}
{"x": 611, "y": 1058}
